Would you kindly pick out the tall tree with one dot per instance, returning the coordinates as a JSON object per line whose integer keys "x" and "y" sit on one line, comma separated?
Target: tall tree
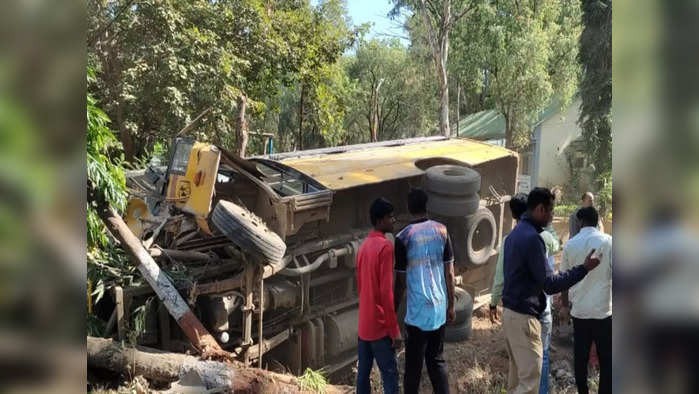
{"x": 523, "y": 55}
{"x": 394, "y": 98}
{"x": 439, "y": 18}
{"x": 596, "y": 85}
{"x": 161, "y": 63}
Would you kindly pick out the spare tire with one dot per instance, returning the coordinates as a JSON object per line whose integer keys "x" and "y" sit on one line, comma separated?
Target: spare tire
{"x": 458, "y": 332}
{"x": 452, "y": 206}
{"x": 451, "y": 180}
{"x": 249, "y": 232}
{"x": 463, "y": 305}
{"x": 480, "y": 237}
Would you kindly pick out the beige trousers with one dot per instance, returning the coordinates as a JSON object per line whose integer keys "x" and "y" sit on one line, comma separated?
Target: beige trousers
{"x": 523, "y": 340}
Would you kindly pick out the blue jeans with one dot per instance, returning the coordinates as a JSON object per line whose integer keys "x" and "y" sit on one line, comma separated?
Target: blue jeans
{"x": 545, "y": 342}
{"x": 382, "y": 351}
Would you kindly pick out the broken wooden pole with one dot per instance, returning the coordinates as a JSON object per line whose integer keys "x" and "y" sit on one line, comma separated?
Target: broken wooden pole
{"x": 156, "y": 278}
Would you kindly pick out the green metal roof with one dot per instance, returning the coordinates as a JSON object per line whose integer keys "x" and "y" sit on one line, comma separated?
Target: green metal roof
{"x": 490, "y": 124}
{"x": 484, "y": 125}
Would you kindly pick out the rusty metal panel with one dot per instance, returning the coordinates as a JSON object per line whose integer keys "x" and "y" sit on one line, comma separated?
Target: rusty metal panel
{"x": 341, "y": 332}
{"x": 373, "y": 165}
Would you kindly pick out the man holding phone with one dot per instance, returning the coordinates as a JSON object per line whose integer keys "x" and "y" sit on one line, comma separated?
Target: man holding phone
{"x": 591, "y": 299}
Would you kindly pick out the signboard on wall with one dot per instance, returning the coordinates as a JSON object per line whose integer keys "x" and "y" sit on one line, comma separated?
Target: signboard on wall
{"x": 524, "y": 183}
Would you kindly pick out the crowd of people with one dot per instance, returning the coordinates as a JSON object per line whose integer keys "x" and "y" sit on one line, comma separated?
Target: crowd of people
{"x": 422, "y": 261}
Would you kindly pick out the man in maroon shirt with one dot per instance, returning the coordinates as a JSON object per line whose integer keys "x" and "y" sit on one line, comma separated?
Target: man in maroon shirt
{"x": 379, "y": 334}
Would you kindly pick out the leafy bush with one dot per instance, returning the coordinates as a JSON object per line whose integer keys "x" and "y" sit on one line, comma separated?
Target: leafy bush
{"x": 604, "y": 195}
{"x": 106, "y": 263}
{"x": 564, "y": 210}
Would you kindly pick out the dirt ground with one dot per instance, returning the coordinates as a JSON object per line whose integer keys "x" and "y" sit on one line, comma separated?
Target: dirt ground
{"x": 480, "y": 364}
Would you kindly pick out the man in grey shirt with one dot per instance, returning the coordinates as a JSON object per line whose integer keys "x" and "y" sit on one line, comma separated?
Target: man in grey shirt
{"x": 588, "y": 200}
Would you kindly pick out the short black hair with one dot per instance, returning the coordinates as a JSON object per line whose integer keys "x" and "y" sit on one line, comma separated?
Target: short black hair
{"x": 380, "y": 208}
{"x": 588, "y": 216}
{"x": 540, "y": 195}
{"x": 417, "y": 201}
{"x": 518, "y": 205}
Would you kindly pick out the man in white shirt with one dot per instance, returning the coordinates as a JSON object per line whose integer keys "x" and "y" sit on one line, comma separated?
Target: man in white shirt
{"x": 591, "y": 299}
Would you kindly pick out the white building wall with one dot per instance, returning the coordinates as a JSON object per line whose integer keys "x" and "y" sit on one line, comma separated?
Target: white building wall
{"x": 557, "y": 133}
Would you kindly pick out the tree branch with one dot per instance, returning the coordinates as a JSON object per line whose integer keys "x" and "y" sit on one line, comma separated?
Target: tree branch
{"x": 93, "y": 39}
{"x": 430, "y": 33}
{"x": 461, "y": 15}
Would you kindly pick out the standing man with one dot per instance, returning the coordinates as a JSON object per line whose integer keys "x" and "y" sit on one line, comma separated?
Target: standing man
{"x": 528, "y": 278}
{"x": 592, "y": 301}
{"x": 574, "y": 224}
{"x": 379, "y": 334}
{"x": 518, "y": 206}
{"x": 425, "y": 259}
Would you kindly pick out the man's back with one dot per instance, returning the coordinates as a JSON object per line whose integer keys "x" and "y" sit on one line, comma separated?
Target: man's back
{"x": 422, "y": 249}
{"x": 377, "y": 316}
{"x": 592, "y": 296}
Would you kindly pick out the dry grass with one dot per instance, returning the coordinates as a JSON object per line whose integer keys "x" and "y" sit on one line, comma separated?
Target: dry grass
{"x": 480, "y": 365}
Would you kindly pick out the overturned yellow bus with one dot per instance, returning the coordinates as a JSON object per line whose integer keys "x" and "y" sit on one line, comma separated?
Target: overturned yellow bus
{"x": 264, "y": 248}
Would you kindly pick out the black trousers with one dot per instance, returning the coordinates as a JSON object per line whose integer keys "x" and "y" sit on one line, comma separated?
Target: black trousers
{"x": 585, "y": 332}
{"x": 428, "y": 346}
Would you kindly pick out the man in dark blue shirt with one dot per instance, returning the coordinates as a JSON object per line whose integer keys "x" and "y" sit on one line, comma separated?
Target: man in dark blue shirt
{"x": 527, "y": 278}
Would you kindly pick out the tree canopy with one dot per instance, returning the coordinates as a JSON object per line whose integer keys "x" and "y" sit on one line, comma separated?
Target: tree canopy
{"x": 522, "y": 55}
{"x": 595, "y": 56}
{"x": 303, "y": 74}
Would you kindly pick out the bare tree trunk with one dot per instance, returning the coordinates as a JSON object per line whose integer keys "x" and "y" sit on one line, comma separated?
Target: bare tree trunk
{"x": 458, "y": 103}
{"x": 241, "y": 130}
{"x": 375, "y": 111}
{"x": 509, "y": 138}
{"x": 303, "y": 94}
{"x": 484, "y": 91}
{"x": 125, "y": 136}
{"x": 374, "y": 121}
{"x": 443, "y": 96}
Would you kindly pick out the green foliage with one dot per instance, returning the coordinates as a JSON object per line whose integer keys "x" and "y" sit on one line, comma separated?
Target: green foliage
{"x": 103, "y": 169}
{"x": 436, "y": 21}
{"x": 106, "y": 263}
{"x": 138, "y": 321}
{"x": 604, "y": 195}
{"x": 162, "y": 63}
{"x": 313, "y": 381}
{"x": 522, "y": 54}
{"x": 596, "y": 85}
{"x": 407, "y": 95}
{"x": 564, "y": 210}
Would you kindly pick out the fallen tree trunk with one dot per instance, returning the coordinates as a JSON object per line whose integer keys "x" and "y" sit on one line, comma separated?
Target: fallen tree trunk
{"x": 168, "y": 367}
{"x": 166, "y": 291}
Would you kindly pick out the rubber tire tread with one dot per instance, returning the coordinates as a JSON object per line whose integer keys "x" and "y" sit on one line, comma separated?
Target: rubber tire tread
{"x": 458, "y": 332}
{"x": 452, "y": 206}
{"x": 259, "y": 254}
{"x": 233, "y": 232}
{"x": 248, "y": 231}
{"x": 463, "y": 305}
{"x": 481, "y": 257}
{"x": 437, "y": 181}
